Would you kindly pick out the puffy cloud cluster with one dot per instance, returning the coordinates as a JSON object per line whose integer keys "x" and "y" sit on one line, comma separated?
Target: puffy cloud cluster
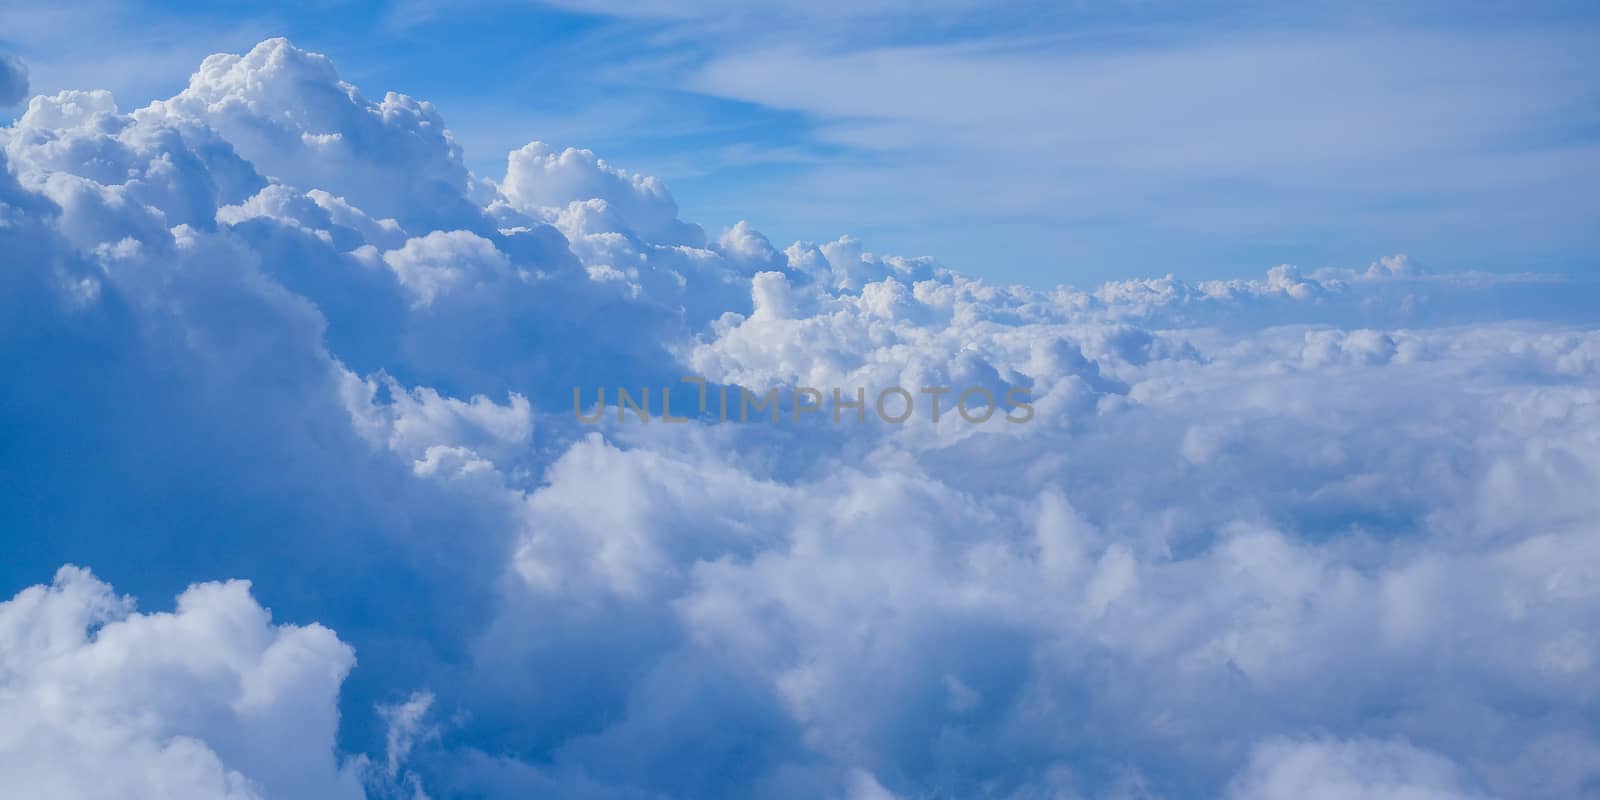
{"x": 1020, "y": 606}
{"x": 209, "y": 700}
{"x": 1318, "y": 534}
{"x": 586, "y": 195}
{"x": 287, "y": 112}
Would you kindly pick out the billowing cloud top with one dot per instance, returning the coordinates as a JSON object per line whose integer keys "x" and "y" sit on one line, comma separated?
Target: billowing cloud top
{"x": 1320, "y": 534}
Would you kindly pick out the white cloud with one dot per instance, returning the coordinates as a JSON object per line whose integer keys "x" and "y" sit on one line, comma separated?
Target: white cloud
{"x": 1330, "y": 769}
{"x": 1221, "y": 107}
{"x": 286, "y": 111}
{"x": 442, "y": 263}
{"x": 1102, "y": 152}
{"x": 210, "y": 700}
{"x": 538, "y": 177}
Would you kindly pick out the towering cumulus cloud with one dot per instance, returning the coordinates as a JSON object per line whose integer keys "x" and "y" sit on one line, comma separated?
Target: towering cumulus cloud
{"x": 1328, "y": 533}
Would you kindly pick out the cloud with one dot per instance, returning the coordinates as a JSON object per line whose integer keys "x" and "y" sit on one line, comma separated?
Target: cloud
{"x": 905, "y": 619}
{"x": 1121, "y": 141}
{"x": 287, "y": 112}
{"x": 1313, "y": 769}
{"x": 13, "y": 80}
{"x": 1314, "y": 531}
{"x": 1218, "y": 108}
{"x": 446, "y": 262}
{"x": 210, "y": 700}
{"x": 538, "y": 177}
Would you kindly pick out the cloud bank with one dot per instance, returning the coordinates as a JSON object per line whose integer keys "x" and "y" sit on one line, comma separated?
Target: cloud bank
{"x": 1316, "y": 534}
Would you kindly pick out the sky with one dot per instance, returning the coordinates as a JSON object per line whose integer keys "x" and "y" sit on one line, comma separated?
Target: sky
{"x": 1037, "y": 143}
{"x": 318, "y": 480}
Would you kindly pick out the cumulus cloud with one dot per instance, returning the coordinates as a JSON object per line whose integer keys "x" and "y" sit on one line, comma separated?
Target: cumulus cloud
{"x": 537, "y": 177}
{"x": 1308, "y": 534}
{"x": 287, "y": 112}
{"x": 210, "y": 700}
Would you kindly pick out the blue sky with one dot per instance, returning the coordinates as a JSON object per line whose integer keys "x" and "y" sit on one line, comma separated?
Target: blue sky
{"x": 1031, "y": 142}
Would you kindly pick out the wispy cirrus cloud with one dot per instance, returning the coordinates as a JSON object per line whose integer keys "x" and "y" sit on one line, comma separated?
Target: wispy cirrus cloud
{"x": 1350, "y": 134}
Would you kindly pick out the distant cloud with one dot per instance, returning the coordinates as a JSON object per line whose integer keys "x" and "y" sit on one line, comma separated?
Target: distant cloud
{"x": 13, "y": 80}
{"x": 1028, "y": 126}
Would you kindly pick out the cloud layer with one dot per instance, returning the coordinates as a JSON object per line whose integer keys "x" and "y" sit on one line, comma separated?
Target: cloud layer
{"x": 1310, "y": 535}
